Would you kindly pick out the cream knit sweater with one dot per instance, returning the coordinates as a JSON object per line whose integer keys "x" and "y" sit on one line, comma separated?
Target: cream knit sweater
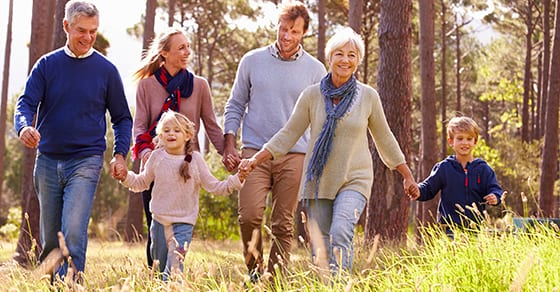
{"x": 349, "y": 166}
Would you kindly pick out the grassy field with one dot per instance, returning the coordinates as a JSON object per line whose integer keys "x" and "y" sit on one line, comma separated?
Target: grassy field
{"x": 509, "y": 261}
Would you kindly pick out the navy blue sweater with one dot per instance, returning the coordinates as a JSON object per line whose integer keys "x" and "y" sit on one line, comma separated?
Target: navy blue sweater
{"x": 71, "y": 97}
{"x": 460, "y": 187}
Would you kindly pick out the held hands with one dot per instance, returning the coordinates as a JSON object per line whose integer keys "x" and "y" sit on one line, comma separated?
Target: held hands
{"x": 231, "y": 156}
{"x": 411, "y": 189}
{"x": 118, "y": 167}
{"x": 246, "y": 166}
{"x": 491, "y": 199}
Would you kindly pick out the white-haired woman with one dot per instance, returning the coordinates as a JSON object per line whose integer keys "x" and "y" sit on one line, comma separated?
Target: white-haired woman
{"x": 338, "y": 173}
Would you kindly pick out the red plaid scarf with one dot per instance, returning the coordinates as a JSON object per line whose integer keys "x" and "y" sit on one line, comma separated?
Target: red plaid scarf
{"x": 180, "y": 85}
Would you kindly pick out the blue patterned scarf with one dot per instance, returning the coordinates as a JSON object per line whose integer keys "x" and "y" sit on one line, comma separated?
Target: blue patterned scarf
{"x": 323, "y": 145}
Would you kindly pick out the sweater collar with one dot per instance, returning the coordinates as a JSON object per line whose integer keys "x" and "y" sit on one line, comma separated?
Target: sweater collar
{"x": 72, "y": 55}
{"x": 273, "y": 49}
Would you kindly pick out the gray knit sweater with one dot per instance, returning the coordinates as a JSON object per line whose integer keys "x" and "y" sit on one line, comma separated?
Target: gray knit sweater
{"x": 264, "y": 93}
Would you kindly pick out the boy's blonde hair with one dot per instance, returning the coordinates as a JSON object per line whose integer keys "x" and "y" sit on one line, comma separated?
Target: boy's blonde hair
{"x": 462, "y": 124}
{"x": 188, "y": 128}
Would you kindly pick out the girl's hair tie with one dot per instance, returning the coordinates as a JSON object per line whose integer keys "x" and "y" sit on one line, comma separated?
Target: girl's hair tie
{"x": 188, "y": 158}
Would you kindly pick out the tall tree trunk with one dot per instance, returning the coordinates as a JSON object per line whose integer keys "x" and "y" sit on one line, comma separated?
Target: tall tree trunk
{"x": 134, "y": 228}
{"x": 149, "y": 21}
{"x": 134, "y": 225}
{"x": 59, "y": 36}
{"x": 545, "y": 67}
{"x": 3, "y": 103}
{"x": 321, "y": 37}
{"x": 171, "y": 19}
{"x": 28, "y": 245}
{"x": 388, "y": 207}
{"x": 371, "y": 16}
{"x": 458, "y": 62}
{"x": 443, "y": 77}
{"x": 549, "y": 167}
{"x": 527, "y": 76}
{"x": 426, "y": 211}
{"x": 355, "y": 15}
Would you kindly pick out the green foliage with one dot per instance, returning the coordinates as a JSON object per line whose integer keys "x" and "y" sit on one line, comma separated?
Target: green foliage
{"x": 10, "y": 230}
{"x": 518, "y": 172}
{"x": 12, "y": 164}
{"x": 110, "y": 203}
{"x": 217, "y": 217}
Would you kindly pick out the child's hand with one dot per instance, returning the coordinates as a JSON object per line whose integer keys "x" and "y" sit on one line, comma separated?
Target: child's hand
{"x": 242, "y": 176}
{"x": 247, "y": 165}
{"x": 491, "y": 199}
{"x": 413, "y": 192}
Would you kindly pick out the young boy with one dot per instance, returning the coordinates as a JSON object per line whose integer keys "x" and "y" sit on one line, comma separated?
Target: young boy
{"x": 466, "y": 183}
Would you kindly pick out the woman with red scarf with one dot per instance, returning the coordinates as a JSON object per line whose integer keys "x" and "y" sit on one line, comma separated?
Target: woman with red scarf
{"x": 164, "y": 83}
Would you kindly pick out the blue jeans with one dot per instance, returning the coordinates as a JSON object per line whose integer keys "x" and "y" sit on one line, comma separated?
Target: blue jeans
{"x": 65, "y": 189}
{"x": 336, "y": 220}
{"x": 163, "y": 246}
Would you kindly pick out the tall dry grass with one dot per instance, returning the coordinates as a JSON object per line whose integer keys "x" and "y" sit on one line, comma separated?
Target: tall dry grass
{"x": 473, "y": 261}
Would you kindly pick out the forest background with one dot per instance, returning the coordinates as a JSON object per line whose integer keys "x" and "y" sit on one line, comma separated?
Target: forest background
{"x": 427, "y": 60}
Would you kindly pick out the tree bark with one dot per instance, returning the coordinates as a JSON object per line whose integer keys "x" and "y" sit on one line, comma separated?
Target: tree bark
{"x": 149, "y": 21}
{"x": 545, "y": 68}
{"x": 134, "y": 228}
{"x": 3, "y": 103}
{"x": 388, "y": 207}
{"x": 171, "y": 19}
{"x": 426, "y": 211}
{"x": 59, "y": 36}
{"x": 321, "y": 34}
{"x": 527, "y": 76}
{"x": 458, "y": 64}
{"x": 134, "y": 225}
{"x": 549, "y": 167}
{"x": 355, "y": 15}
{"x": 443, "y": 77}
{"x": 28, "y": 246}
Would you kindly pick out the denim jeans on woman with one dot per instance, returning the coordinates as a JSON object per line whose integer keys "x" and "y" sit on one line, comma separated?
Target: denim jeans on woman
{"x": 65, "y": 189}
{"x": 336, "y": 220}
{"x": 163, "y": 246}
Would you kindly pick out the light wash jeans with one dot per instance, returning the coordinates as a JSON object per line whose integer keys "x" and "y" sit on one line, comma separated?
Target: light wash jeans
{"x": 65, "y": 189}
{"x": 163, "y": 246}
{"x": 336, "y": 220}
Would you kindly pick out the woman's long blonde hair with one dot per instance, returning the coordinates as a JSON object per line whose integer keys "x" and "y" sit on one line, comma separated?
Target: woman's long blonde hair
{"x": 188, "y": 128}
{"x": 153, "y": 59}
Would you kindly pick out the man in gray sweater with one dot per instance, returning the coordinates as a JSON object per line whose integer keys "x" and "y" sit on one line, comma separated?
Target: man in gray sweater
{"x": 268, "y": 83}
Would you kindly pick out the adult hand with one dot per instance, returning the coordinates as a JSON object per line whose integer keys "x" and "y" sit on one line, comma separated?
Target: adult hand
{"x": 413, "y": 192}
{"x": 30, "y": 137}
{"x": 247, "y": 165}
{"x": 231, "y": 157}
{"x": 118, "y": 167}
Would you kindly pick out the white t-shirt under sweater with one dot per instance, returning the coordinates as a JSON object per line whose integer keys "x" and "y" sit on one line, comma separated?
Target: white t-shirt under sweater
{"x": 173, "y": 199}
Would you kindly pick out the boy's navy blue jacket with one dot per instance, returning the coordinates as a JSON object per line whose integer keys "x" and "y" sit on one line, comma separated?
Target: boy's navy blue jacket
{"x": 461, "y": 187}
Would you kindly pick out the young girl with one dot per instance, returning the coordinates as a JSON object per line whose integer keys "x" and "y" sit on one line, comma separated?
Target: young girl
{"x": 178, "y": 173}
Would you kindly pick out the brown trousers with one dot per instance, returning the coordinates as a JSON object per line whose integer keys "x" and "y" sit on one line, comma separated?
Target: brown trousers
{"x": 281, "y": 177}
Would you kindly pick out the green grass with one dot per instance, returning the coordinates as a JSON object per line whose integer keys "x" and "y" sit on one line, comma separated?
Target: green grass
{"x": 484, "y": 261}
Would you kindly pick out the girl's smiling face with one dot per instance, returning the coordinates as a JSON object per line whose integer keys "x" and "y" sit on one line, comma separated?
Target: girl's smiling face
{"x": 174, "y": 137}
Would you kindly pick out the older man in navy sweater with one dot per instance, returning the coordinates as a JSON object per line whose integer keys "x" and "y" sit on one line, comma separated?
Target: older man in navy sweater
{"x": 70, "y": 90}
